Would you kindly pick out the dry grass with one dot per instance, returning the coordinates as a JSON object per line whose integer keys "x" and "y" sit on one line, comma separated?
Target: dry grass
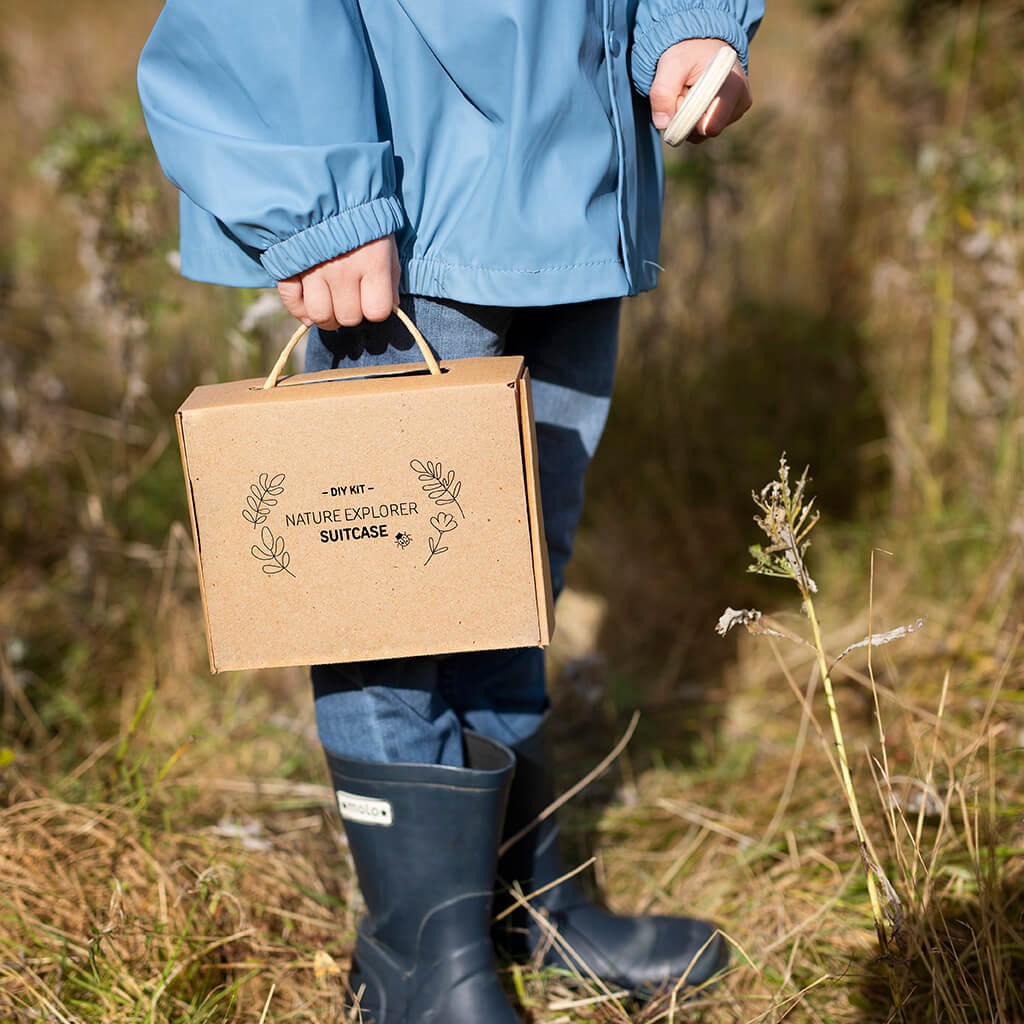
{"x": 167, "y": 847}
{"x": 107, "y": 919}
{"x": 131, "y": 899}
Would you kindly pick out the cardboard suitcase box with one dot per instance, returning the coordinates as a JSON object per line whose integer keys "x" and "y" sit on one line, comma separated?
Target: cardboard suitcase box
{"x": 355, "y": 514}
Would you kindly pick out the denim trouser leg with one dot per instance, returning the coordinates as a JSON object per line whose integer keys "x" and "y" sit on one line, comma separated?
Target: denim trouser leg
{"x": 413, "y": 709}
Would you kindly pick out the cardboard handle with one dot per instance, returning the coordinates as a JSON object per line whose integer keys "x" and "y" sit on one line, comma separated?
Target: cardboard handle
{"x": 300, "y": 333}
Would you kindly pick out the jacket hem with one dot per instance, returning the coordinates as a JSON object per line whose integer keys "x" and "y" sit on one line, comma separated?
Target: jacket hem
{"x": 495, "y": 286}
{"x": 438, "y": 279}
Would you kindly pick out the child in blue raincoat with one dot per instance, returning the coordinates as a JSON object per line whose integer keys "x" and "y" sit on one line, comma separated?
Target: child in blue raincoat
{"x": 494, "y": 166}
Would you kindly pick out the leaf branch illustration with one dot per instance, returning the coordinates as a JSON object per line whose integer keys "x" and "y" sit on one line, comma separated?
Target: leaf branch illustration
{"x": 262, "y": 497}
{"x": 272, "y": 553}
{"x": 444, "y": 523}
{"x": 442, "y": 488}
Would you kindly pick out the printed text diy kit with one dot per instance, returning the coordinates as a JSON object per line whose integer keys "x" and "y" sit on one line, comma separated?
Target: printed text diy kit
{"x": 355, "y": 514}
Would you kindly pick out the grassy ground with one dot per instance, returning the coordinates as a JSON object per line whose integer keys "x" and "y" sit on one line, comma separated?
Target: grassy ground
{"x": 843, "y": 283}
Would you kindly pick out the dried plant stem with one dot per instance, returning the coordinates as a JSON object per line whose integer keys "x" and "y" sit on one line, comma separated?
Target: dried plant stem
{"x": 587, "y": 779}
{"x": 787, "y": 519}
{"x": 849, "y": 792}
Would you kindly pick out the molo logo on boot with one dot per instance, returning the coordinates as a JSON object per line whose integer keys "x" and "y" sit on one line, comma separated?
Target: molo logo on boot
{"x": 363, "y": 809}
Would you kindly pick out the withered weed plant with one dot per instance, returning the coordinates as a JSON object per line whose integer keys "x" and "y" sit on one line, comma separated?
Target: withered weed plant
{"x": 930, "y": 958}
{"x": 787, "y": 519}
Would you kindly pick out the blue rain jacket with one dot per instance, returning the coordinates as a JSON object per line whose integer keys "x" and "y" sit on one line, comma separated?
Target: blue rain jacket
{"x": 507, "y": 143}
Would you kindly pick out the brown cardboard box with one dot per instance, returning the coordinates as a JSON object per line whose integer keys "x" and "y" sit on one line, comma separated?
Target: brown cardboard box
{"x": 347, "y": 515}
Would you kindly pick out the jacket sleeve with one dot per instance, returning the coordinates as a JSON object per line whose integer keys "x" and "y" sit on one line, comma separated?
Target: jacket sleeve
{"x": 660, "y": 24}
{"x": 263, "y": 114}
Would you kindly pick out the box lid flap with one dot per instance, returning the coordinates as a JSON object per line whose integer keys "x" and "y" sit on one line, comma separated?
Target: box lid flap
{"x": 404, "y": 377}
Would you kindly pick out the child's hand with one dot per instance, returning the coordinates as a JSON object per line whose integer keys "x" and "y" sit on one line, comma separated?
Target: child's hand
{"x": 342, "y": 292}
{"x": 679, "y": 68}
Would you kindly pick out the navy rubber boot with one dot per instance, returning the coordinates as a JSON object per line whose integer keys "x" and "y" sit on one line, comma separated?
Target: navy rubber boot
{"x": 639, "y": 953}
{"x": 424, "y": 839}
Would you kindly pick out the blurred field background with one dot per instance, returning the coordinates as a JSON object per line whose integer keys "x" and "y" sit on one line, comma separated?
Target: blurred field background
{"x": 843, "y": 283}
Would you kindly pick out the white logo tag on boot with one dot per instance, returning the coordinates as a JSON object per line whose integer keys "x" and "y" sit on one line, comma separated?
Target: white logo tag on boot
{"x": 363, "y": 809}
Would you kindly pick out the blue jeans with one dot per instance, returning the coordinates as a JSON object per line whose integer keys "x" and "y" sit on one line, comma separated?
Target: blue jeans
{"x": 413, "y": 709}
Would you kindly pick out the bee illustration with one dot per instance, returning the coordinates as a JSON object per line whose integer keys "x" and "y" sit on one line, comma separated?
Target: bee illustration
{"x": 403, "y": 539}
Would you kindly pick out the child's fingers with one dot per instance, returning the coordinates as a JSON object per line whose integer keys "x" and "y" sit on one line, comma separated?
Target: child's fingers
{"x": 377, "y": 294}
{"x": 319, "y": 301}
{"x": 340, "y": 292}
{"x": 348, "y": 309}
{"x": 378, "y": 287}
{"x": 679, "y": 69}
{"x": 290, "y": 292}
{"x": 731, "y": 103}
{"x": 665, "y": 99}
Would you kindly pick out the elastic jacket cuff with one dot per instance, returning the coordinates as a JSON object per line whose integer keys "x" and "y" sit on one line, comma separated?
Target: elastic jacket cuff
{"x": 332, "y": 237}
{"x": 699, "y": 22}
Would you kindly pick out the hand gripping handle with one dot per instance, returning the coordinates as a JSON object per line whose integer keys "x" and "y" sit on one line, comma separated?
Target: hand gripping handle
{"x": 300, "y": 333}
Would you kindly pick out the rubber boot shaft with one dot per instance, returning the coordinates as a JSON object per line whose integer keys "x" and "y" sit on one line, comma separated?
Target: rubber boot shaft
{"x": 424, "y": 839}
{"x": 641, "y": 953}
